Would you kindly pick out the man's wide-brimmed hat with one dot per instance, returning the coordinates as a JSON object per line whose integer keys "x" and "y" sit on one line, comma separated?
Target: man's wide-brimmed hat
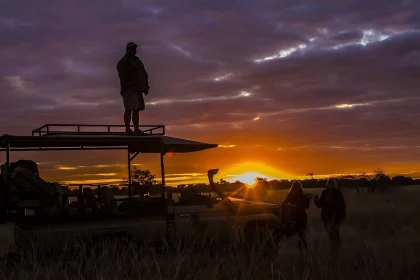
{"x": 131, "y": 45}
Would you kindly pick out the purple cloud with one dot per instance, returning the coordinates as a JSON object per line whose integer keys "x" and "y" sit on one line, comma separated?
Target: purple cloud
{"x": 315, "y": 74}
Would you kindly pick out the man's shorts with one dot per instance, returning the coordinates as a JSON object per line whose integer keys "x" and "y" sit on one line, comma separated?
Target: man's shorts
{"x": 133, "y": 101}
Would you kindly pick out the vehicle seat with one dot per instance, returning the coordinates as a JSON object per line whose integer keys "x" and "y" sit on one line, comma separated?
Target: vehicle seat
{"x": 26, "y": 180}
{"x": 63, "y": 200}
{"x": 107, "y": 199}
{"x": 60, "y": 204}
{"x": 27, "y": 164}
{"x": 17, "y": 196}
{"x": 26, "y": 185}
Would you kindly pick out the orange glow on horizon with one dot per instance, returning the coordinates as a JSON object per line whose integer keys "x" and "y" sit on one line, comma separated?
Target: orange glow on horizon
{"x": 248, "y": 178}
{"x": 247, "y": 173}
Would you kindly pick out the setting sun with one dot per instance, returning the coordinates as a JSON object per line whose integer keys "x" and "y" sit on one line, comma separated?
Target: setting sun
{"x": 249, "y": 178}
{"x": 247, "y": 172}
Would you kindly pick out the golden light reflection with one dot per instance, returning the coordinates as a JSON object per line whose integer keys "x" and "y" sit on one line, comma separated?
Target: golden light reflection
{"x": 227, "y": 146}
{"x": 67, "y": 168}
{"x": 347, "y": 106}
{"x": 101, "y": 174}
{"x": 93, "y": 181}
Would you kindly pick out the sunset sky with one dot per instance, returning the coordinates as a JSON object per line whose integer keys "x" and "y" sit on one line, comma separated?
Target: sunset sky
{"x": 284, "y": 87}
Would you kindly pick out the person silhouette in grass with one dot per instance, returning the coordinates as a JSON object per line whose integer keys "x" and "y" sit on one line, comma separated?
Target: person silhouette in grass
{"x": 299, "y": 202}
{"x": 333, "y": 211}
{"x": 134, "y": 83}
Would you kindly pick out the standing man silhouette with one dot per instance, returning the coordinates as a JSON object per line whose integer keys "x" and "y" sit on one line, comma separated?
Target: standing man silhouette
{"x": 333, "y": 211}
{"x": 134, "y": 82}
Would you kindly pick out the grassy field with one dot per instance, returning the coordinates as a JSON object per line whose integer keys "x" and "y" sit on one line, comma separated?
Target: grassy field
{"x": 380, "y": 241}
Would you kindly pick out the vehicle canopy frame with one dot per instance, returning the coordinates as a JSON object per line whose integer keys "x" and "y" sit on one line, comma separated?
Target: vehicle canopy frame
{"x": 77, "y": 137}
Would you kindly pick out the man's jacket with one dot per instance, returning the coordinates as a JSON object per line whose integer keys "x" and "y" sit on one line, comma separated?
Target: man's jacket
{"x": 333, "y": 205}
{"x": 133, "y": 75}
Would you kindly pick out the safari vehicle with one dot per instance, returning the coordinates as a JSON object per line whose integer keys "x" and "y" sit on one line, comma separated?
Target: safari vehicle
{"x": 33, "y": 211}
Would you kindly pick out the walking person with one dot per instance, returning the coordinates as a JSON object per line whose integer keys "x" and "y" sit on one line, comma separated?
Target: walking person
{"x": 333, "y": 212}
{"x": 134, "y": 82}
{"x": 299, "y": 201}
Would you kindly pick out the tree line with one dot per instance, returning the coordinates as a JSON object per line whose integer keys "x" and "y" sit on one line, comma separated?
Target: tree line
{"x": 144, "y": 182}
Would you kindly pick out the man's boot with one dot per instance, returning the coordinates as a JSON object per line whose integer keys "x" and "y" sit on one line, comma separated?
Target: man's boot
{"x": 128, "y": 131}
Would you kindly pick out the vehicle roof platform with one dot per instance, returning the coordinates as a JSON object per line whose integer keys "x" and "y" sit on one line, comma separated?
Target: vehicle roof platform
{"x": 100, "y": 137}
{"x": 62, "y": 137}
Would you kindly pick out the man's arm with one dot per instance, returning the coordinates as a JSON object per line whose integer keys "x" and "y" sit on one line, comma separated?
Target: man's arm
{"x": 122, "y": 68}
{"x": 146, "y": 78}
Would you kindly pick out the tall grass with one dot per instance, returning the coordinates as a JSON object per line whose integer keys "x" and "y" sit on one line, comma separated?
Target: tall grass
{"x": 380, "y": 241}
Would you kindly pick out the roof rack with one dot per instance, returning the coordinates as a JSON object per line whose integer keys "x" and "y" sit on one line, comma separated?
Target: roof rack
{"x": 93, "y": 129}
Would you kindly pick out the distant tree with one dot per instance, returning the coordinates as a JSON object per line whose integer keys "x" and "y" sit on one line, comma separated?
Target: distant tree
{"x": 143, "y": 177}
{"x": 310, "y": 174}
{"x": 379, "y": 174}
{"x": 380, "y": 179}
{"x": 261, "y": 180}
{"x": 348, "y": 177}
{"x": 402, "y": 181}
{"x": 363, "y": 175}
{"x": 142, "y": 181}
{"x": 223, "y": 182}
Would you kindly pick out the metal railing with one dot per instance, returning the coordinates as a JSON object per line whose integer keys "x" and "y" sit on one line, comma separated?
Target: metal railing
{"x": 93, "y": 129}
